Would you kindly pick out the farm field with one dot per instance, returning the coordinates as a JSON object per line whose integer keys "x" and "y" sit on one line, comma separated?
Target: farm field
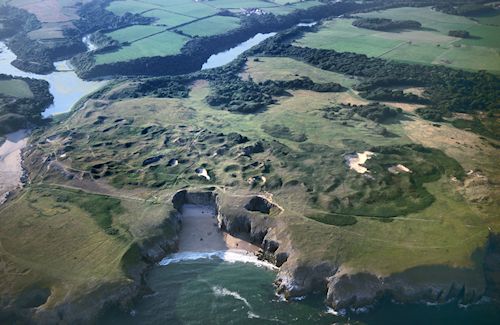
{"x": 55, "y": 15}
{"x": 187, "y": 18}
{"x": 134, "y": 33}
{"x": 431, "y": 45}
{"x": 162, "y": 44}
{"x": 211, "y": 26}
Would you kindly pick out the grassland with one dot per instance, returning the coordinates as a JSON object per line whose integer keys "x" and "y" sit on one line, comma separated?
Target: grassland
{"x": 53, "y": 237}
{"x": 447, "y": 232}
{"x": 15, "y": 88}
{"x": 431, "y": 45}
{"x": 282, "y": 68}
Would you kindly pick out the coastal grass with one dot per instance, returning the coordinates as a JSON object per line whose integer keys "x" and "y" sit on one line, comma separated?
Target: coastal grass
{"x": 261, "y": 69}
{"x": 431, "y": 45}
{"x": 56, "y": 243}
{"x": 15, "y": 88}
{"x": 162, "y": 44}
{"x": 58, "y": 238}
{"x": 304, "y": 165}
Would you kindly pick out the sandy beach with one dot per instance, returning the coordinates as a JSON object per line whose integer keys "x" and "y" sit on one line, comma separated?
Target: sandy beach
{"x": 200, "y": 232}
{"x": 10, "y": 162}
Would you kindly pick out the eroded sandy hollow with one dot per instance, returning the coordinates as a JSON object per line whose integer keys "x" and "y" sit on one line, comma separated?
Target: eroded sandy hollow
{"x": 200, "y": 232}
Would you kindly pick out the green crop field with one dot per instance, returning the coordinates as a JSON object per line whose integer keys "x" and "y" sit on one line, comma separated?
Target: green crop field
{"x": 211, "y": 26}
{"x": 132, "y": 33}
{"x": 167, "y": 18}
{"x": 231, "y": 4}
{"x": 132, "y": 6}
{"x": 431, "y": 45}
{"x": 163, "y": 44}
{"x": 181, "y": 19}
{"x": 15, "y": 88}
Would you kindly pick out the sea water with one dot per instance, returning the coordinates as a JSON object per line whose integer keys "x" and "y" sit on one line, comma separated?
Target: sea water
{"x": 211, "y": 290}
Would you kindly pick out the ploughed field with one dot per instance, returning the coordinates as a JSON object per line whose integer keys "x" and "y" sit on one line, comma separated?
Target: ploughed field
{"x": 430, "y": 44}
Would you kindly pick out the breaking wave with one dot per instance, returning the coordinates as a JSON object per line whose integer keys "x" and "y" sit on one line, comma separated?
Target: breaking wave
{"x": 229, "y": 256}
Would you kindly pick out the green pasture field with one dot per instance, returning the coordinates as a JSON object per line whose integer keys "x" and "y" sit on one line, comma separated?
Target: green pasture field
{"x": 211, "y": 26}
{"x": 123, "y": 6}
{"x": 189, "y": 9}
{"x": 493, "y": 19}
{"x": 167, "y": 18}
{"x": 431, "y": 45}
{"x": 306, "y": 4}
{"x": 133, "y": 33}
{"x": 15, "y": 88}
{"x": 163, "y": 44}
{"x": 231, "y": 4}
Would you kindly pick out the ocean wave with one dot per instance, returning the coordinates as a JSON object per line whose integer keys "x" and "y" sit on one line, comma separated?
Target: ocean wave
{"x": 330, "y": 310}
{"x": 229, "y": 256}
{"x": 223, "y": 292}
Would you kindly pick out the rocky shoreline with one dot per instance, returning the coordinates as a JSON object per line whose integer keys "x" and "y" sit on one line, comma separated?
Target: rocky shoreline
{"x": 344, "y": 288}
{"x": 251, "y": 217}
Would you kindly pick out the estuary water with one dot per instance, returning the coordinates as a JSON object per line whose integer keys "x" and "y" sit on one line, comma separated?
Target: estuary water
{"x": 222, "y": 58}
{"x": 66, "y": 87}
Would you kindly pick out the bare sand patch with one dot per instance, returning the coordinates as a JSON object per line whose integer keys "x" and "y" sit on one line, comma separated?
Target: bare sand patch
{"x": 11, "y": 169}
{"x": 357, "y": 160}
{"x": 200, "y": 232}
{"x": 399, "y": 168}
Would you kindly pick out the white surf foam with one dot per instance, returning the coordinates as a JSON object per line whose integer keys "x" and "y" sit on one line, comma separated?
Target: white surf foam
{"x": 229, "y": 256}
{"x": 223, "y": 292}
{"x": 330, "y": 310}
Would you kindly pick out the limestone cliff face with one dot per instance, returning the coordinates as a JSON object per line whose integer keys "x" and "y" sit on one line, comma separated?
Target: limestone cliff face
{"x": 344, "y": 289}
{"x": 436, "y": 284}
